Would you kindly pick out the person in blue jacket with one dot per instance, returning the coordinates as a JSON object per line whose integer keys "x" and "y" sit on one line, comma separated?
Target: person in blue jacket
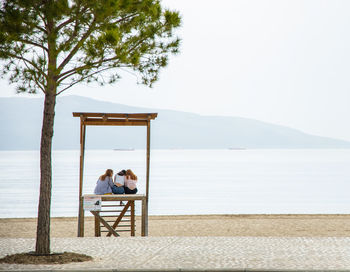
{"x": 105, "y": 183}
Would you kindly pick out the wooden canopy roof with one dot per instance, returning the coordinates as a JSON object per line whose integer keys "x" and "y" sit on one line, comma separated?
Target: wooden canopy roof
{"x": 115, "y": 119}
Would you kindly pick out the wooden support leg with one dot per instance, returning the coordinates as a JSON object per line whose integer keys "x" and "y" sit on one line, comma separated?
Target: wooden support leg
{"x": 143, "y": 218}
{"x": 97, "y": 226}
{"x": 81, "y": 218}
{"x": 81, "y": 172}
{"x": 132, "y": 219}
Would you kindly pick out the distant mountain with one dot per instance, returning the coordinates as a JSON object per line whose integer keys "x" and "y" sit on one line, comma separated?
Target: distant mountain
{"x": 21, "y": 118}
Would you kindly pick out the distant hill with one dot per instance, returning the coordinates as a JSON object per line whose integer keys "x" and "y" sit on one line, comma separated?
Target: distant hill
{"x": 21, "y": 129}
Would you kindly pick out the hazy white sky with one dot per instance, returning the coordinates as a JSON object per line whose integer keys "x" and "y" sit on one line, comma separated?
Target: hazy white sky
{"x": 284, "y": 62}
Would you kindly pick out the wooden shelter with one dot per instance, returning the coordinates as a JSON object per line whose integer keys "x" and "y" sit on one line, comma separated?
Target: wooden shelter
{"x": 114, "y": 119}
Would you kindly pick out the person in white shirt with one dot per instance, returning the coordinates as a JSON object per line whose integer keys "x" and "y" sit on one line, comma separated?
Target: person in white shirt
{"x": 130, "y": 182}
{"x": 119, "y": 178}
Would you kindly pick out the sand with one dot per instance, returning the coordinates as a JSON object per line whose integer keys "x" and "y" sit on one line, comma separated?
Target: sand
{"x": 199, "y": 225}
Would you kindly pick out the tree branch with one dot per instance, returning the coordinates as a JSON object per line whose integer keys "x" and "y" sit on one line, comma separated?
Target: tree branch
{"x": 40, "y": 28}
{"x": 83, "y": 78}
{"x": 74, "y": 34}
{"x": 35, "y": 77}
{"x": 45, "y": 24}
{"x": 34, "y": 44}
{"x": 63, "y": 24}
{"x": 71, "y": 72}
{"x": 38, "y": 83}
{"x": 71, "y": 20}
{"x": 124, "y": 18}
{"x": 29, "y": 62}
{"x": 79, "y": 44}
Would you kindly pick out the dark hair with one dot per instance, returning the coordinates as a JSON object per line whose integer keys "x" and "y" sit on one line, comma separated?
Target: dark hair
{"x": 122, "y": 173}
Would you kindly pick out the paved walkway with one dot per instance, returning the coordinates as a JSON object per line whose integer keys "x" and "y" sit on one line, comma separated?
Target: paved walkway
{"x": 193, "y": 253}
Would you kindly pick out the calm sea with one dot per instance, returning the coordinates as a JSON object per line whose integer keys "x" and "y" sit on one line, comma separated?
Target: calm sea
{"x": 189, "y": 181}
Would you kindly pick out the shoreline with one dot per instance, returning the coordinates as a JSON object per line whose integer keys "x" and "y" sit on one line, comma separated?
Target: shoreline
{"x": 214, "y": 215}
{"x": 263, "y": 225}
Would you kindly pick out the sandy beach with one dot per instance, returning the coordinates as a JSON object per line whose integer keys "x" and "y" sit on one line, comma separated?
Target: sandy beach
{"x": 194, "y": 242}
{"x": 325, "y": 225}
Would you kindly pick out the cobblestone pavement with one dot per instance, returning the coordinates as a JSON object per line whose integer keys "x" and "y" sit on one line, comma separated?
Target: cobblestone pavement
{"x": 192, "y": 253}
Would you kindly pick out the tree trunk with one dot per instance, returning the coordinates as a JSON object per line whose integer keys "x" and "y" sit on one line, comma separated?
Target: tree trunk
{"x": 43, "y": 224}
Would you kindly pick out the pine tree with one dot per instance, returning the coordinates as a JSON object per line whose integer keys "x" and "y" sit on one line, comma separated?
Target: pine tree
{"x": 52, "y": 45}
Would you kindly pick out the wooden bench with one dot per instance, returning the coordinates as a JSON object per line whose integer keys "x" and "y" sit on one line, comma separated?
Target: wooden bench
{"x": 119, "y": 211}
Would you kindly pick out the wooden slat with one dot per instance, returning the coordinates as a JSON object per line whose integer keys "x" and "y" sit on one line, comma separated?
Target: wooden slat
{"x": 105, "y": 119}
{"x": 125, "y": 215}
{"x": 112, "y": 221}
{"x": 120, "y": 226}
{"x": 119, "y": 230}
{"x": 118, "y": 205}
{"x": 114, "y": 122}
{"x": 115, "y": 211}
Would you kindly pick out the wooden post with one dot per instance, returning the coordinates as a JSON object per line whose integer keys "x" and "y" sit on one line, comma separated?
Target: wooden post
{"x": 147, "y": 175}
{"x": 81, "y": 173}
{"x": 97, "y": 226}
{"x": 132, "y": 218}
{"x": 143, "y": 217}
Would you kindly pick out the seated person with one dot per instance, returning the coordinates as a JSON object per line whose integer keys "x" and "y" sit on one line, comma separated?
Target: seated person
{"x": 105, "y": 183}
{"x": 130, "y": 182}
{"x": 118, "y": 187}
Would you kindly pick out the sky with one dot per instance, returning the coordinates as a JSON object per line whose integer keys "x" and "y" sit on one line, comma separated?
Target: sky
{"x": 279, "y": 61}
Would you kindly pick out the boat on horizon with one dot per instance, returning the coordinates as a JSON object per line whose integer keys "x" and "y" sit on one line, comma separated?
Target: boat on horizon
{"x": 123, "y": 149}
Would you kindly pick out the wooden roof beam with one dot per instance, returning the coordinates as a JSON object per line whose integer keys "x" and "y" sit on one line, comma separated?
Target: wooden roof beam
{"x": 113, "y": 122}
{"x": 126, "y": 116}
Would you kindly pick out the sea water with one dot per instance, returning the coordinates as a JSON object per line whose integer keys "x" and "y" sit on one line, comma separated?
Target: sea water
{"x": 189, "y": 181}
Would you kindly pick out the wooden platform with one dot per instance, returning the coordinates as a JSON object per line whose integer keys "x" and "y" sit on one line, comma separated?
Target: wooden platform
{"x": 124, "y": 197}
{"x": 121, "y": 213}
